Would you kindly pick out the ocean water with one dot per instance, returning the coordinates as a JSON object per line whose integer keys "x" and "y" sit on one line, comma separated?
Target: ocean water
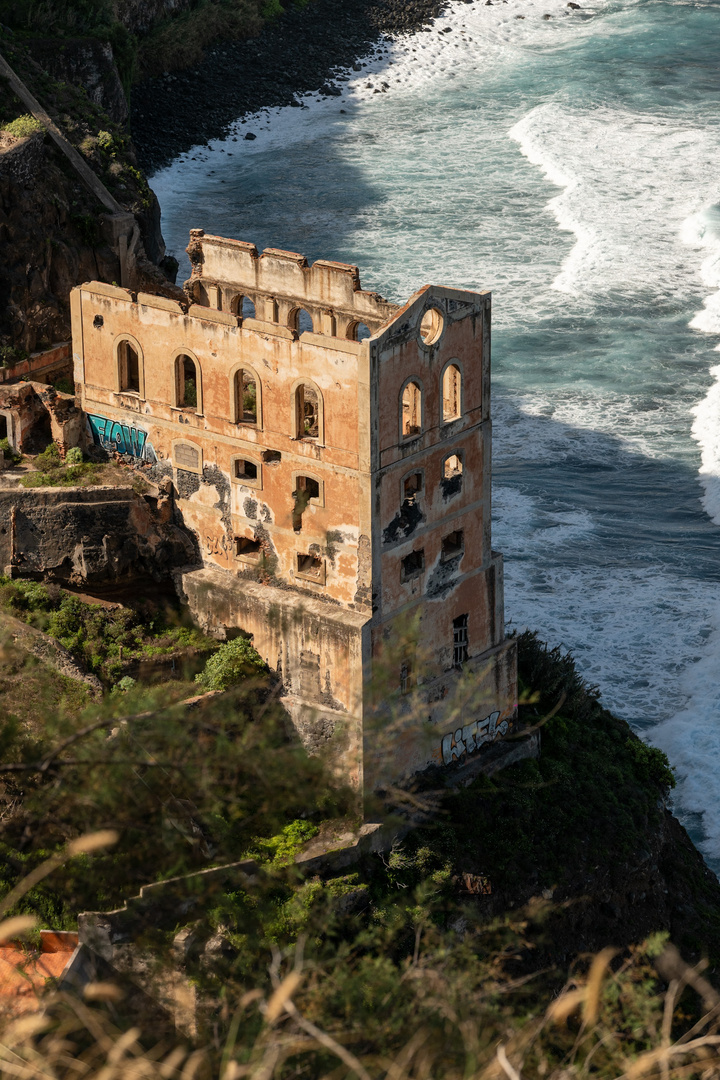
{"x": 572, "y": 165}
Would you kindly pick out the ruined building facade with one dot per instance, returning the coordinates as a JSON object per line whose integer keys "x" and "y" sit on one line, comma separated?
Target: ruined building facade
{"x": 331, "y": 453}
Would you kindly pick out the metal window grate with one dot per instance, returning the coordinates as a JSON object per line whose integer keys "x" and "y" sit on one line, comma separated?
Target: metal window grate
{"x": 460, "y": 640}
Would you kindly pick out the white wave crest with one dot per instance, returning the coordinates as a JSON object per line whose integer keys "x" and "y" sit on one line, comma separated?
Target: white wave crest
{"x": 627, "y": 193}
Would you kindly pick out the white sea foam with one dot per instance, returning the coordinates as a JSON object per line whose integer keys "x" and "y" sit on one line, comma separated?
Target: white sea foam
{"x": 649, "y": 653}
{"x": 628, "y": 193}
{"x": 702, "y": 232}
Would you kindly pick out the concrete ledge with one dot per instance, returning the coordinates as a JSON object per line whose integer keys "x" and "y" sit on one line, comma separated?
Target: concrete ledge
{"x": 162, "y": 302}
{"x": 197, "y": 311}
{"x": 335, "y": 344}
{"x": 259, "y": 326}
{"x": 99, "y": 288}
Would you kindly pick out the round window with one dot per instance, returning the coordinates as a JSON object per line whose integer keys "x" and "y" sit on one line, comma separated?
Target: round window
{"x": 431, "y": 326}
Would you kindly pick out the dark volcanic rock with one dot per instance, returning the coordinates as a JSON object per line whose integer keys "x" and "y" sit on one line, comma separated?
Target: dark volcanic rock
{"x": 302, "y": 52}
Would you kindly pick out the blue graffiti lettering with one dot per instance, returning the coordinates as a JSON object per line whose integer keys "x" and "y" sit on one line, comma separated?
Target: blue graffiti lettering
{"x": 120, "y": 437}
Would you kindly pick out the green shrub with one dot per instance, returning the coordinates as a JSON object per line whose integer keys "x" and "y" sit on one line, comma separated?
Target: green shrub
{"x": 74, "y": 456}
{"x": 23, "y": 126}
{"x": 64, "y": 385}
{"x": 49, "y": 459}
{"x": 10, "y": 452}
{"x": 234, "y": 661}
{"x": 126, "y": 683}
{"x": 272, "y": 9}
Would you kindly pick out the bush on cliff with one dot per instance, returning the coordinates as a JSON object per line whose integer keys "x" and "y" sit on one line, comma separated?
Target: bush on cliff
{"x": 102, "y": 639}
{"x": 234, "y": 661}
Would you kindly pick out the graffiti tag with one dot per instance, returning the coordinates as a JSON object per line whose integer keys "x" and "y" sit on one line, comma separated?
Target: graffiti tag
{"x": 221, "y": 546}
{"x": 120, "y": 438}
{"x": 471, "y": 737}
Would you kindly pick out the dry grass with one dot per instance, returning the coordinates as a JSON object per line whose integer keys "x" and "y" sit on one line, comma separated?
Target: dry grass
{"x": 611, "y": 1023}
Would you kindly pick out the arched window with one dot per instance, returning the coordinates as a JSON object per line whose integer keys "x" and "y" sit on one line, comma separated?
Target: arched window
{"x": 358, "y": 331}
{"x": 452, "y": 475}
{"x": 411, "y": 410}
{"x": 243, "y": 306}
{"x": 128, "y": 366}
{"x": 301, "y": 320}
{"x": 187, "y": 383}
{"x": 308, "y": 412}
{"x": 246, "y": 396}
{"x": 451, "y": 393}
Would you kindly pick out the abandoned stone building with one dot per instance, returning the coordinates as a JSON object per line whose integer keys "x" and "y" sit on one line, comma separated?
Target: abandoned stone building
{"x": 330, "y": 451}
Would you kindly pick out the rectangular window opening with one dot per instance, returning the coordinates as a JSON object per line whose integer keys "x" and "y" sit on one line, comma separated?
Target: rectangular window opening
{"x": 271, "y": 457}
{"x": 309, "y": 487}
{"x": 248, "y": 549}
{"x": 311, "y": 566}
{"x": 460, "y": 640}
{"x": 453, "y": 544}
{"x": 245, "y": 470}
{"x": 412, "y": 485}
{"x": 406, "y": 681}
{"x": 412, "y": 565}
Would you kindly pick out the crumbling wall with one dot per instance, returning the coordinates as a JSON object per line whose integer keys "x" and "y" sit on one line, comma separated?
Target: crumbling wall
{"x": 35, "y": 413}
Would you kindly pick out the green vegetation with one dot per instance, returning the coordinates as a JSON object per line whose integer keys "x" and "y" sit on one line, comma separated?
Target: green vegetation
{"x": 64, "y": 385}
{"x": 438, "y": 959}
{"x": 176, "y": 42}
{"x": 102, "y": 639}
{"x": 52, "y": 471}
{"x": 10, "y": 452}
{"x": 23, "y": 126}
{"x": 83, "y": 122}
{"x": 74, "y": 456}
{"x": 12, "y": 354}
{"x": 234, "y": 661}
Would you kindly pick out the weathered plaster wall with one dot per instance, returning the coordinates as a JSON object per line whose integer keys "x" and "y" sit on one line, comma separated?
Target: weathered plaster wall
{"x": 211, "y": 500}
{"x": 315, "y": 648}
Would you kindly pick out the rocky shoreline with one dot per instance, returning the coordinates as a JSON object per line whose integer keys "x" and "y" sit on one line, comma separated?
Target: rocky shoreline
{"x": 302, "y": 51}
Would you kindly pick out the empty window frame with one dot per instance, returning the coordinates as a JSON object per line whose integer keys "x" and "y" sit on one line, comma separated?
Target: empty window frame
{"x": 431, "y": 326}
{"x": 311, "y": 567}
{"x": 306, "y": 490}
{"x": 187, "y": 383}
{"x": 129, "y": 366}
{"x": 301, "y": 320}
{"x": 247, "y": 549}
{"x": 460, "y": 640}
{"x": 452, "y": 474}
{"x": 412, "y": 485}
{"x": 412, "y": 565}
{"x": 246, "y": 397}
{"x": 246, "y": 471}
{"x": 453, "y": 544}
{"x": 451, "y": 393}
{"x": 308, "y": 412}
{"x": 4, "y": 429}
{"x": 358, "y": 331}
{"x": 411, "y": 410}
{"x": 242, "y": 306}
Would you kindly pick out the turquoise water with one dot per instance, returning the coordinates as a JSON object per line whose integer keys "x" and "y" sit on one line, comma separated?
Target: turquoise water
{"x": 571, "y": 165}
